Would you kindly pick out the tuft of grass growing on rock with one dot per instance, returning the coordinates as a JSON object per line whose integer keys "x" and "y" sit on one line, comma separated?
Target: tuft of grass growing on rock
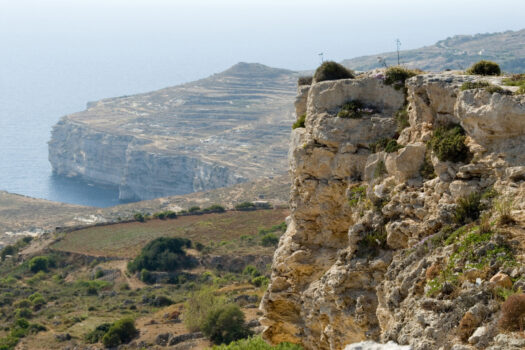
{"x": 372, "y": 243}
{"x": 516, "y": 80}
{"x": 471, "y": 85}
{"x": 484, "y": 67}
{"x": 299, "y": 123}
{"x": 397, "y": 75}
{"x": 302, "y": 81}
{"x": 355, "y": 109}
{"x": 401, "y": 119}
{"x": 331, "y": 70}
{"x": 356, "y": 194}
{"x": 468, "y": 209}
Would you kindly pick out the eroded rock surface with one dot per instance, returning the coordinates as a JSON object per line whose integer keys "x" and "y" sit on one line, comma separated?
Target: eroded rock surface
{"x": 367, "y": 253}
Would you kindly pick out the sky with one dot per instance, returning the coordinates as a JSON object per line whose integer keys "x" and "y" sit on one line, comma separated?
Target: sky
{"x": 206, "y": 35}
{"x": 56, "y": 55}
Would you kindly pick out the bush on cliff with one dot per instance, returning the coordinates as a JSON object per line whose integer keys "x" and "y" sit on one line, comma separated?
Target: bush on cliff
{"x": 305, "y": 80}
{"x": 331, "y": 70}
{"x": 484, "y": 67}
{"x": 397, "y": 75}
{"x": 299, "y": 123}
{"x": 448, "y": 143}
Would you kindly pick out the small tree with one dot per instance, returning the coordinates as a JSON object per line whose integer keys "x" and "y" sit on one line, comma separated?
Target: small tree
{"x": 39, "y": 263}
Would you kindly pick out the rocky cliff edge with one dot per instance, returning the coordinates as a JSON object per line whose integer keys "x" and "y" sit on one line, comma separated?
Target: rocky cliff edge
{"x": 407, "y": 212}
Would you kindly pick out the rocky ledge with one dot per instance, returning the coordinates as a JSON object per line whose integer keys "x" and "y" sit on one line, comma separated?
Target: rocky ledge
{"x": 407, "y": 212}
{"x": 215, "y": 132}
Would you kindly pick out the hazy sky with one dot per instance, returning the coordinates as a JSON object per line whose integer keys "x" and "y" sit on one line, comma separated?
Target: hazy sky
{"x": 219, "y": 33}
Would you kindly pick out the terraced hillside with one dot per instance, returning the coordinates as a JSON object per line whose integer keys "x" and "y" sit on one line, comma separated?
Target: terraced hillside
{"x": 457, "y": 52}
{"x": 214, "y": 132}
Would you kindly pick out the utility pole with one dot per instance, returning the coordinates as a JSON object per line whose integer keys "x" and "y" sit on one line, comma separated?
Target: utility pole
{"x": 321, "y": 55}
{"x": 398, "y": 45}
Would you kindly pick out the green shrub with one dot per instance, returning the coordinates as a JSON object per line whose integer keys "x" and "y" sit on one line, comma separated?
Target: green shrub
{"x": 23, "y": 313}
{"x": 397, "y": 75}
{"x": 269, "y": 239}
{"x": 214, "y": 209}
{"x": 139, "y": 217}
{"x": 427, "y": 170}
{"x": 225, "y": 324}
{"x": 38, "y": 302}
{"x": 468, "y": 209}
{"x": 448, "y": 143}
{"x": 256, "y": 343}
{"x": 162, "y": 254}
{"x": 97, "y": 334}
{"x": 356, "y": 194}
{"x": 260, "y": 281}
{"x": 386, "y": 144}
{"x": 194, "y": 209}
{"x": 380, "y": 170}
{"x": 244, "y": 206}
{"x": 170, "y": 214}
{"x": 305, "y": 81}
{"x": 331, "y": 70}
{"x": 484, "y": 67}
{"x": 8, "y": 250}
{"x": 197, "y": 307}
{"x": 299, "y": 123}
{"x": 39, "y": 263}
{"x": 401, "y": 119}
{"x": 251, "y": 271}
{"x": 22, "y": 303}
{"x": 355, "y": 109}
{"x": 371, "y": 243}
{"x": 120, "y": 332}
{"x": 160, "y": 215}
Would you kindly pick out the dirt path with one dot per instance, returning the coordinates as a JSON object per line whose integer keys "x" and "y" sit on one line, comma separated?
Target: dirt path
{"x": 121, "y": 265}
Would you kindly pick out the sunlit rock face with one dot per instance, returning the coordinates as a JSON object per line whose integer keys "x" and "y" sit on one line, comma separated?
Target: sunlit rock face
{"x": 352, "y": 265}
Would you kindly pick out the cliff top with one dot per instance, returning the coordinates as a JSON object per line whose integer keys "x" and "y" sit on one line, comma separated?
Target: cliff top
{"x": 240, "y": 117}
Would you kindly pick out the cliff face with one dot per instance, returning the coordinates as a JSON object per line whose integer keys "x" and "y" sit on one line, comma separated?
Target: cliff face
{"x": 211, "y": 133}
{"x": 377, "y": 247}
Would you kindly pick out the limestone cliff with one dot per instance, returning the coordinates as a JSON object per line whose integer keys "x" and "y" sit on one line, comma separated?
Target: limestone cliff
{"x": 215, "y": 132}
{"x": 379, "y": 245}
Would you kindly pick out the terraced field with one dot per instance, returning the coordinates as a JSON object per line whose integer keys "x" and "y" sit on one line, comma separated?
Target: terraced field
{"x": 232, "y": 232}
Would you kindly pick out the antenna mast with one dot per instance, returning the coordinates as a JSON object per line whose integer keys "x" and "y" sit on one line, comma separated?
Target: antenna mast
{"x": 398, "y": 45}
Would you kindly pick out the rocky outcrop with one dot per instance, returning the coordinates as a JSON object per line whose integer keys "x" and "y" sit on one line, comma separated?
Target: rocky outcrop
{"x": 215, "y": 132}
{"x": 368, "y": 252}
